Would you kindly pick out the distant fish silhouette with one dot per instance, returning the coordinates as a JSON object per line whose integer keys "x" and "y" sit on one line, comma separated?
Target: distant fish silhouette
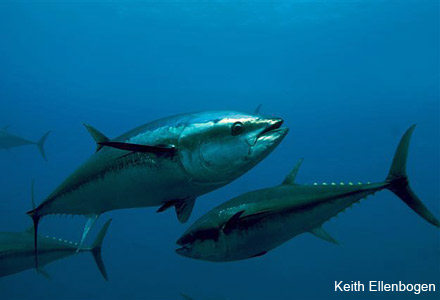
{"x": 9, "y": 140}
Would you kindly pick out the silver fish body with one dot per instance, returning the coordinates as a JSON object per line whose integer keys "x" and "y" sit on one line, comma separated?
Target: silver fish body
{"x": 208, "y": 156}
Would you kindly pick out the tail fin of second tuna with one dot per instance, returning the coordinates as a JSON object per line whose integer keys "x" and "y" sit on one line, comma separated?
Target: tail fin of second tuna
{"x": 96, "y": 249}
{"x": 40, "y": 144}
{"x": 398, "y": 180}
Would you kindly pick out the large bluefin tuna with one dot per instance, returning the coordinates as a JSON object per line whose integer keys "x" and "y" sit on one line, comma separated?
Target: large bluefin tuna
{"x": 9, "y": 140}
{"x": 17, "y": 251}
{"x": 254, "y": 223}
{"x": 168, "y": 162}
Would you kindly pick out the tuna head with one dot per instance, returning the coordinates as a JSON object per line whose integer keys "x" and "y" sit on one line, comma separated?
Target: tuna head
{"x": 214, "y": 238}
{"x": 218, "y": 147}
{"x": 204, "y": 243}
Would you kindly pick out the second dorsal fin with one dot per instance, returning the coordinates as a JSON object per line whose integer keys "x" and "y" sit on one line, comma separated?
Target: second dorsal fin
{"x": 97, "y": 135}
{"x": 290, "y": 178}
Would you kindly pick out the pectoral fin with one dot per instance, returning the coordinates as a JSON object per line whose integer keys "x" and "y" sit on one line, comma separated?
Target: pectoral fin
{"x": 232, "y": 222}
{"x": 159, "y": 149}
{"x": 322, "y": 234}
{"x": 98, "y": 136}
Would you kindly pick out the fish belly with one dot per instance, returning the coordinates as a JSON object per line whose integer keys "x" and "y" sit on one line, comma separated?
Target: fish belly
{"x": 128, "y": 188}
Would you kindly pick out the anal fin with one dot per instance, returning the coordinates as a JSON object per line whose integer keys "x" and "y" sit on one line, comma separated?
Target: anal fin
{"x": 91, "y": 220}
{"x": 44, "y": 273}
{"x": 183, "y": 207}
{"x": 322, "y": 234}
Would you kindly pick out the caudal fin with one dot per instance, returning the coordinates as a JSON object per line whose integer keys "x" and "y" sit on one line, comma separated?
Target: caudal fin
{"x": 399, "y": 184}
{"x": 96, "y": 249}
{"x": 35, "y": 220}
{"x": 40, "y": 144}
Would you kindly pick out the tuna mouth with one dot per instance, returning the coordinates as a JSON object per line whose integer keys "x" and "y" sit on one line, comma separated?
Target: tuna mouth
{"x": 272, "y": 127}
{"x": 184, "y": 250}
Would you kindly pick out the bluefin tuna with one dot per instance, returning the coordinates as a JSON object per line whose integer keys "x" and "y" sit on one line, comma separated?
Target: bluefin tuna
{"x": 166, "y": 163}
{"x": 9, "y": 140}
{"x": 254, "y": 223}
{"x": 17, "y": 251}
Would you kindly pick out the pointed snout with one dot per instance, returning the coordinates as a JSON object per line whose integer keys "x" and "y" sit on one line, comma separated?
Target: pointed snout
{"x": 272, "y": 124}
{"x": 272, "y": 128}
{"x": 184, "y": 250}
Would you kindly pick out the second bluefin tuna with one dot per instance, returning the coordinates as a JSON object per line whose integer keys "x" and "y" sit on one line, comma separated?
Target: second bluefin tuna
{"x": 254, "y": 223}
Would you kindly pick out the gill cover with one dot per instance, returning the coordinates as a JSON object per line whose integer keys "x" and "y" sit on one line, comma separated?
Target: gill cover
{"x": 211, "y": 152}
{"x": 217, "y": 147}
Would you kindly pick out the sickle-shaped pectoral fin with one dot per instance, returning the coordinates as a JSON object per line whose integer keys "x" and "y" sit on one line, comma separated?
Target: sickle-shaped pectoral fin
{"x": 232, "y": 223}
{"x": 158, "y": 149}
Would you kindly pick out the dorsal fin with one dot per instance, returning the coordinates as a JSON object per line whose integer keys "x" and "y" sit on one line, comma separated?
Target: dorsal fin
{"x": 97, "y": 135}
{"x": 290, "y": 178}
{"x": 257, "y": 109}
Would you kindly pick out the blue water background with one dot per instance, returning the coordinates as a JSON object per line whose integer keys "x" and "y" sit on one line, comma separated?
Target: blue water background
{"x": 348, "y": 78}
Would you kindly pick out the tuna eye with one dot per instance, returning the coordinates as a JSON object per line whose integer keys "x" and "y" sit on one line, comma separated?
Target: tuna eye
{"x": 237, "y": 128}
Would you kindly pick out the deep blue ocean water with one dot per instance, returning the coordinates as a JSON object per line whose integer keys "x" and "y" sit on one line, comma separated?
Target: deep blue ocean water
{"x": 348, "y": 77}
